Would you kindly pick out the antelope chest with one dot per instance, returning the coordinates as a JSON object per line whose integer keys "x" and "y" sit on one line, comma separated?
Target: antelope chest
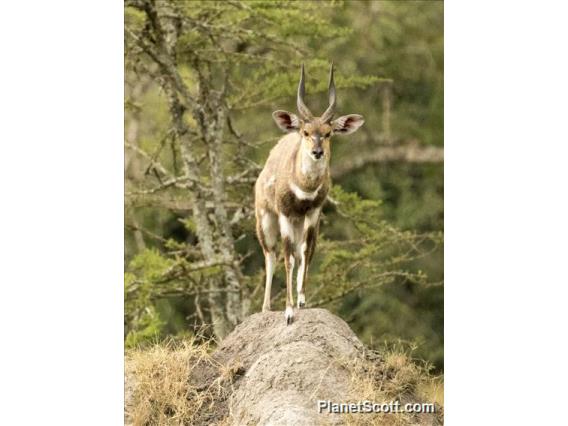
{"x": 295, "y": 202}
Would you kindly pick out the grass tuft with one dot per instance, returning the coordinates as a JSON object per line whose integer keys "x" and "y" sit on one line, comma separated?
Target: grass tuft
{"x": 391, "y": 374}
{"x": 164, "y": 384}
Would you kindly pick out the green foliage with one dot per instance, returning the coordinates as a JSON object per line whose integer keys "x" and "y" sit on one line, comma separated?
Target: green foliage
{"x": 148, "y": 328}
{"x": 150, "y": 264}
{"x": 379, "y": 250}
{"x": 359, "y": 250}
{"x": 142, "y": 320}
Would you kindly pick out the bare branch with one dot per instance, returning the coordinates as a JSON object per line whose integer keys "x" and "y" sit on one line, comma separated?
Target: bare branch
{"x": 410, "y": 152}
{"x": 153, "y": 162}
{"x": 177, "y": 182}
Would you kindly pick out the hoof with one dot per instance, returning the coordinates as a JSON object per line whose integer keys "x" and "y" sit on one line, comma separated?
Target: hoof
{"x": 301, "y": 301}
{"x": 301, "y": 304}
{"x": 289, "y": 315}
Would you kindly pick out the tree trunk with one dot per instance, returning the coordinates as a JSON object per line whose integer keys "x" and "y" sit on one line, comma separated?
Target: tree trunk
{"x": 216, "y": 242}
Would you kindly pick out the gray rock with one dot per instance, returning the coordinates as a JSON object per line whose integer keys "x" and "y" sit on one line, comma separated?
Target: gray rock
{"x": 289, "y": 368}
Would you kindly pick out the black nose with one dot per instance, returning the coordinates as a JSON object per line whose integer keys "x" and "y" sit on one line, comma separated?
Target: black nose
{"x": 318, "y": 152}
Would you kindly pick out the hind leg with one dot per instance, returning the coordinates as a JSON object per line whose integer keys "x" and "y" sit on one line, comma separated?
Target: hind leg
{"x": 267, "y": 230}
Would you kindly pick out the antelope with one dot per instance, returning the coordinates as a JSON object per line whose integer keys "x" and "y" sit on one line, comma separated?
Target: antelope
{"x": 292, "y": 187}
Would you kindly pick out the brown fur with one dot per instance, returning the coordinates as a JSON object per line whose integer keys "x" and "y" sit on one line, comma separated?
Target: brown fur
{"x": 284, "y": 165}
{"x": 292, "y": 188}
{"x": 274, "y": 197}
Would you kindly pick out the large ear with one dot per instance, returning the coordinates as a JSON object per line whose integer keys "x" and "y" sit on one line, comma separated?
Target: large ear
{"x": 287, "y": 121}
{"x": 347, "y": 124}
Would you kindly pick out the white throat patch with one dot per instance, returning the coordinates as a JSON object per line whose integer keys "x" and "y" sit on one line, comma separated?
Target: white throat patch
{"x": 302, "y": 195}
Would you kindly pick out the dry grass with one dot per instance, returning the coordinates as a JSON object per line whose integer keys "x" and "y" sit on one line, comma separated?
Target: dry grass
{"x": 393, "y": 375}
{"x": 167, "y": 385}
{"x": 178, "y": 383}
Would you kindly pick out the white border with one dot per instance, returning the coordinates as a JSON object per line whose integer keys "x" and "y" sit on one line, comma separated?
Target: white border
{"x": 61, "y": 230}
{"x": 61, "y": 94}
{"x": 506, "y": 212}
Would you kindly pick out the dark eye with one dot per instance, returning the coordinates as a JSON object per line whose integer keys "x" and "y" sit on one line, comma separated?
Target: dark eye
{"x": 305, "y": 133}
{"x": 327, "y": 135}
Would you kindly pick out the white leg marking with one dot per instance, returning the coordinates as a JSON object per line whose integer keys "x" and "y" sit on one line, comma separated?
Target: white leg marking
{"x": 289, "y": 230}
{"x": 289, "y": 314}
{"x": 270, "y": 260}
{"x": 311, "y": 220}
{"x": 286, "y": 227}
{"x": 290, "y": 294}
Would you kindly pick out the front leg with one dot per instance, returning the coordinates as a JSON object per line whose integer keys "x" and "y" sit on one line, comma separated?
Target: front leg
{"x": 289, "y": 263}
{"x": 287, "y": 232}
{"x": 311, "y": 225}
{"x": 302, "y": 274}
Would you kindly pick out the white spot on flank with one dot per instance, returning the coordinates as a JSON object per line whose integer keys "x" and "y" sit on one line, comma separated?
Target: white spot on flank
{"x": 268, "y": 223}
{"x": 302, "y": 195}
{"x": 286, "y": 228}
{"x": 270, "y": 181}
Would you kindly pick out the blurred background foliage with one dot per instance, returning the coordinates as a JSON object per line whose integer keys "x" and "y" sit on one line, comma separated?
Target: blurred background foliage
{"x": 379, "y": 263}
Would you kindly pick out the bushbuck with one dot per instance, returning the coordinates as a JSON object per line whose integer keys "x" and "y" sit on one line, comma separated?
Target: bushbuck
{"x": 292, "y": 187}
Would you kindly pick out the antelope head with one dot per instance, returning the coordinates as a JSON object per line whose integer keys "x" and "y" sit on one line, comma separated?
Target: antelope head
{"x": 317, "y": 131}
